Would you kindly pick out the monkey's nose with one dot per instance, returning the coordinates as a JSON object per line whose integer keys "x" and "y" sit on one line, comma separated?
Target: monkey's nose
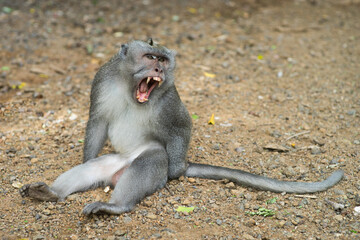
{"x": 159, "y": 70}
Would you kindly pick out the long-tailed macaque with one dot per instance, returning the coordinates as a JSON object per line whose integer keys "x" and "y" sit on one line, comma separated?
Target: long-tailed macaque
{"x": 135, "y": 104}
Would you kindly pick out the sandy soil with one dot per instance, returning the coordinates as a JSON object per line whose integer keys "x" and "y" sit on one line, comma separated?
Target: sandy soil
{"x": 272, "y": 72}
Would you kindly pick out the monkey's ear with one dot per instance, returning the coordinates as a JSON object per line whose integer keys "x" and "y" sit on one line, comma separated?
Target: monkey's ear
{"x": 124, "y": 50}
{"x": 150, "y": 42}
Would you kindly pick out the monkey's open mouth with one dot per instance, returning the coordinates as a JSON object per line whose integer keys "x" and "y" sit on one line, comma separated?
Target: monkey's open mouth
{"x": 145, "y": 87}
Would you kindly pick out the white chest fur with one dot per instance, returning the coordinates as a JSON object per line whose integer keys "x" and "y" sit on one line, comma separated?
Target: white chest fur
{"x": 128, "y": 132}
{"x": 129, "y": 123}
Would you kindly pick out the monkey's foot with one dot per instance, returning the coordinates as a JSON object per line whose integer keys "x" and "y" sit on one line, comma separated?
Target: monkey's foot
{"x": 104, "y": 208}
{"x": 40, "y": 191}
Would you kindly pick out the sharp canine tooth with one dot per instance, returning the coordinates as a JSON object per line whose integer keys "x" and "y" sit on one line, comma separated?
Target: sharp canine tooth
{"x": 148, "y": 80}
{"x": 160, "y": 82}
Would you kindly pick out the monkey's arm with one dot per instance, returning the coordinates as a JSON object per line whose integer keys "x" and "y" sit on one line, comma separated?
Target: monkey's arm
{"x": 176, "y": 150}
{"x": 176, "y": 123}
{"x": 96, "y": 135}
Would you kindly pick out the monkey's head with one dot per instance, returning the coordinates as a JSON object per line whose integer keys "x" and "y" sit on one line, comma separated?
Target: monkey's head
{"x": 149, "y": 67}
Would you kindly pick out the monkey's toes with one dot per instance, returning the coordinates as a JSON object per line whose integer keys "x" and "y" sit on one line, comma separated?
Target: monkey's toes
{"x": 93, "y": 208}
{"x": 24, "y": 190}
{"x": 40, "y": 191}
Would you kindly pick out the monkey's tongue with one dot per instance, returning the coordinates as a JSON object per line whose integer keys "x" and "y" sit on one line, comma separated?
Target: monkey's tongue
{"x": 142, "y": 94}
{"x": 143, "y": 87}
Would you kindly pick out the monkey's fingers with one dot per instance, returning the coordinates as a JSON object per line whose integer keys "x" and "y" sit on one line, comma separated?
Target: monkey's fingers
{"x": 40, "y": 191}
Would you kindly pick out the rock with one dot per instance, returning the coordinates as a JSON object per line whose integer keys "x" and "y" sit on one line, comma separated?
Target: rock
{"x": 240, "y": 149}
{"x": 250, "y": 223}
{"x": 191, "y": 180}
{"x": 276, "y": 134}
{"x": 72, "y": 197}
{"x": 17, "y": 185}
{"x": 315, "y": 150}
{"x": 318, "y": 142}
{"x": 247, "y": 236}
{"x": 351, "y": 112}
{"x": 230, "y": 185}
{"x": 38, "y": 237}
{"x": 357, "y": 211}
{"x": 236, "y": 192}
{"x": 120, "y": 233}
{"x": 148, "y": 203}
{"x": 289, "y": 172}
{"x": 75, "y": 237}
{"x": 216, "y": 147}
{"x": 282, "y": 223}
{"x": 338, "y": 218}
{"x": 338, "y": 191}
{"x": 127, "y": 219}
{"x": 336, "y": 206}
{"x": 335, "y": 160}
{"x": 151, "y": 216}
{"x": 248, "y": 196}
{"x": 47, "y": 212}
{"x": 276, "y": 147}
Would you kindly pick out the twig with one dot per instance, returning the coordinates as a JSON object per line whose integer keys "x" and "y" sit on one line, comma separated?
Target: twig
{"x": 296, "y": 135}
{"x": 305, "y": 196}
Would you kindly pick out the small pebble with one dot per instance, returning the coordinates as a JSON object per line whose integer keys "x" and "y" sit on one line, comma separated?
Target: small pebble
{"x": 315, "y": 150}
{"x": 240, "y": 149}
{"x": 351, "y": 112}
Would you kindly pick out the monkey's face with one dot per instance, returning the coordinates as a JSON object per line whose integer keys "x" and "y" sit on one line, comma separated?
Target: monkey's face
{"x": 152, "y": 69}
{"x": 155, "y": 68}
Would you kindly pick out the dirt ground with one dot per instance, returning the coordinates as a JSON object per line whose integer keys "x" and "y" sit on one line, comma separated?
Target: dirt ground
{"x": 272, "y": 72}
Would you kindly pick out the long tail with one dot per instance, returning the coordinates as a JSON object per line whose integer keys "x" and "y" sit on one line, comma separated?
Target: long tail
{"x": 259, "y": 182}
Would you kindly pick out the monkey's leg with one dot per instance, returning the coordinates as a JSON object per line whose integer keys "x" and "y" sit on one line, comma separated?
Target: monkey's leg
{"x": 146, "y": 174}
{"x": 80, "y": 178}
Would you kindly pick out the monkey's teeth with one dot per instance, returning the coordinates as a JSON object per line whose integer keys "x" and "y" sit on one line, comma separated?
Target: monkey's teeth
{"x": 148, "y": 80}
{"x": 157, "y": 79}
{"x": 160, "y": 82}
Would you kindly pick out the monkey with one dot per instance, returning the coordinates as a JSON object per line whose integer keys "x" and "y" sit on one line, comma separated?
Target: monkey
{"x": 134, "y": 103}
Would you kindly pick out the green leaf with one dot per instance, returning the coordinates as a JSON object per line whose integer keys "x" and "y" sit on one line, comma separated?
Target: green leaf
{"x": 89, "y": 48}
{"x": 100, "y": 20}
{"x": 185, "y": 209}
{"x": 5, "y": 68}
{"x": 7, "y": 10}
{"x": 262, "y": 212}
{"x": 271, "y": 201}
{"x": 81, "y": 140}
{"x": 194, "y": 116}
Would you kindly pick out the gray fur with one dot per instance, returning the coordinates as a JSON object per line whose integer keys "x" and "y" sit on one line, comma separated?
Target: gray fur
{"x": 151, "y": 138}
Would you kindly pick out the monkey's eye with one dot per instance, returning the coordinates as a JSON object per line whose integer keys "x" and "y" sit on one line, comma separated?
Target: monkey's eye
{"x": 161, "y": 59}
{"x": 151, "y": 57}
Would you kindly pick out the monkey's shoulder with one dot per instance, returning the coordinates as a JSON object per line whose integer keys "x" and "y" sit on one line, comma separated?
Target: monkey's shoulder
{"x": 173, "y": 114}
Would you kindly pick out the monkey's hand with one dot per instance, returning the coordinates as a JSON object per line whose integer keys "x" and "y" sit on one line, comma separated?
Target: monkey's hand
{"x": 40, "y": 191}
